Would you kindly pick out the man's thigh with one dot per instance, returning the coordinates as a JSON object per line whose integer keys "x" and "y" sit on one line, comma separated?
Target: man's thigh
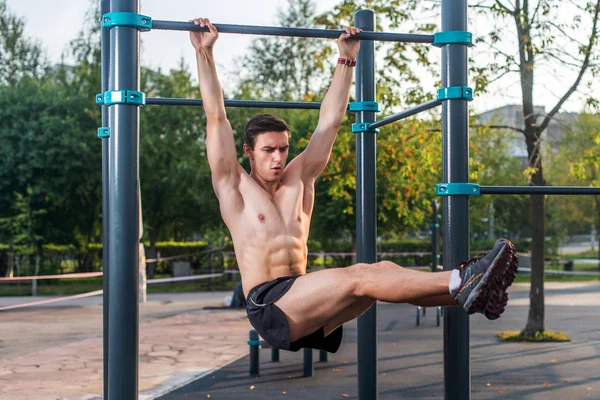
{"x": 316, "y": 298}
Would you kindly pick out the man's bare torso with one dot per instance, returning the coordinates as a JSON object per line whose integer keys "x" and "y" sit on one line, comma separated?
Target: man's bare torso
{"x": 270, "y": 232}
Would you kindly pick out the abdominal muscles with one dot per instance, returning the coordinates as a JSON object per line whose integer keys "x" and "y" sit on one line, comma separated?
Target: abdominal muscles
{"x": 263, "y": 259}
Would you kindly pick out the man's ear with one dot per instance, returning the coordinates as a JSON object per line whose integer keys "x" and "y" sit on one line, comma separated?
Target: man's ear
{"x": 248, "y": 152}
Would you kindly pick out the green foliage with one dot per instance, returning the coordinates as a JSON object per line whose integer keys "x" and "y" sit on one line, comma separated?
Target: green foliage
{"x": 20, "y": 56}
{"x": 287, "y": 68}
{"x": 577, "y": 163}
{"x": 491, "y": 163}
{"x": 177, "y": 196}
{"x": 398, "y": 79}
{"x": 47, "y": 147}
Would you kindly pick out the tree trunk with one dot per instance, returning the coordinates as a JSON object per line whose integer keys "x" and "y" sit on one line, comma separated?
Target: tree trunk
{"x": 537, "y": 213}
{"x": 535, "y": 320}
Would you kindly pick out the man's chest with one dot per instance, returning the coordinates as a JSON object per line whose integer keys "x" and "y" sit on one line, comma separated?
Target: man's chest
{"x": 281, "y": 212}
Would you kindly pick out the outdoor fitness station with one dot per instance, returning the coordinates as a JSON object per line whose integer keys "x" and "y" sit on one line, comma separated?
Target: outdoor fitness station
{"x": 121, "y": 101}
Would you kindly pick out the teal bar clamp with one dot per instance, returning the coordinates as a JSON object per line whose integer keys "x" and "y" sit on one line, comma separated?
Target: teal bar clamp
{"x": 103, "y": 133}
{"x": 452, "y": 37}
{"x": 455, "y": 93}
{"x": 121, "y": 97}
{"x": 254, "y": 342}
{"x": 364, "y": 106}
{"x": 132, "y": 20}
{"x": 363, "y": 127}
{"x": 457, "y": 189}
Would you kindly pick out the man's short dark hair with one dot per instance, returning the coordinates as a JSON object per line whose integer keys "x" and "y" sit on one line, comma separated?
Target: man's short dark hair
{"x": 262, "y": 123}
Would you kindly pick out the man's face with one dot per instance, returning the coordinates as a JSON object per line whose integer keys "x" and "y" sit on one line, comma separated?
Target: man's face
{"x": 270, "y": 155}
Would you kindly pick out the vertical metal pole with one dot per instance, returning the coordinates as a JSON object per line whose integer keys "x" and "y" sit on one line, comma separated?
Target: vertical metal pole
{"x": 308, "y": 362}
{"x": 366, "y": 207}
{"x": 254, "y": 353}
{"x": 455, "y": 136}
{"x": 435, "y": 235}
{"x": 105, "y": 53}
{"x": 123, "y": 219}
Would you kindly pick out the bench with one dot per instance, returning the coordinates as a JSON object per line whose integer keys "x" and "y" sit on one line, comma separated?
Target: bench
{"x": 256, "y": 344}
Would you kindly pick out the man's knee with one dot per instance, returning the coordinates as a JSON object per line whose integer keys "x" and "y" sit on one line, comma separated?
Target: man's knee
{"x": 361, "y": 276}
{"x": 364, "y": 277}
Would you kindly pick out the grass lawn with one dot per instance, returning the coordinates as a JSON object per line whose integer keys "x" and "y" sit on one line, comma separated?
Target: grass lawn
{"x": 545, "y": 336}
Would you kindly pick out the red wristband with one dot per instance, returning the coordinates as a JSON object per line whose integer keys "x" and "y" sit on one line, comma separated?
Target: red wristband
{"x": 346, "y": 61}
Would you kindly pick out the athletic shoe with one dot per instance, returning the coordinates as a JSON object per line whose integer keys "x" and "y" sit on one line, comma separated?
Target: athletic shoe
{"x": 484, "y": 280}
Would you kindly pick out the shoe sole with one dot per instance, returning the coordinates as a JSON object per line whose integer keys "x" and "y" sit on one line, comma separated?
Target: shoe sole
{"x": 499, "y": 297}
{"x": 489, "y": 296}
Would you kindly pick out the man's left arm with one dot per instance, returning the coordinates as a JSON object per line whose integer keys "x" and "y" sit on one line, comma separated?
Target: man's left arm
{"x": 314, "y": 158}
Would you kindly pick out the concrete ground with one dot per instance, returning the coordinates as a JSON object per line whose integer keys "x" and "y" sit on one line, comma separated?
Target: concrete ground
{"x": 55, "y": 352}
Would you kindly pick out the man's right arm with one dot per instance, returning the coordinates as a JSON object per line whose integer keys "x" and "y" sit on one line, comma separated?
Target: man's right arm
{"x": 220, "y": 145}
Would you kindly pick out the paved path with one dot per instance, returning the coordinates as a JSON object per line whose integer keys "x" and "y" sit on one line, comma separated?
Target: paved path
{"x": 55, "y": 352}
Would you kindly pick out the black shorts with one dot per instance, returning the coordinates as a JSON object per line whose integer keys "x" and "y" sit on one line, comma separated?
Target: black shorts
{"x": 272, "y": 324}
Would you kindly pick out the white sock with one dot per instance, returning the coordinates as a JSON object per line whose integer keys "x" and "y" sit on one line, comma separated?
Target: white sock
{"x": 455, "y": 282}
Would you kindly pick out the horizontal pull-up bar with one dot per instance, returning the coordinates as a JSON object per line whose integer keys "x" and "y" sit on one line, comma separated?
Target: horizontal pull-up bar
{"x": 405, "y": 114}
{"x": 293, "y": 32}
{"x": 236, "y": 103}
{"x": 567, "y": 190}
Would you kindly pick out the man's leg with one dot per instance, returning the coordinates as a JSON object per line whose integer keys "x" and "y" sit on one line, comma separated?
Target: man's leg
{"x": 332, "y": 297}
{"x": 434, "y": 301}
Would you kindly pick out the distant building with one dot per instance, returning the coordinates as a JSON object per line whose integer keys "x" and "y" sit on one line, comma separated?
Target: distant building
{"x": 512, "y": 115}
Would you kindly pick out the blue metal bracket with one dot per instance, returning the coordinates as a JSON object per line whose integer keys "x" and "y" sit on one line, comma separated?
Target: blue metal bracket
{"x": 103, "y": 133}
{"x": 364, "y": 106}
{"x": 363, "y": 127}
{"x": 457, "y": 189}
{"x": 133, "y": 20}
{"x": 254, "y": 342}
{"x": 454, "y": 93}
{"x": 452, "y": 37}
{"x": 121, "y": 97}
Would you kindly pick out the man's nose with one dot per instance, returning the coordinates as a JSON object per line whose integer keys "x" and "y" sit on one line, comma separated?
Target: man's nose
{"x": 276, "y": 155}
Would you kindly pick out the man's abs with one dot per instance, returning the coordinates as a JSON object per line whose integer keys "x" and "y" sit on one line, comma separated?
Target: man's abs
{"x": 264, "y": 260}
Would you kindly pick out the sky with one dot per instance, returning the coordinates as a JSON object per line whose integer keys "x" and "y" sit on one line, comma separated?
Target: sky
{"x": 54, "y": 23}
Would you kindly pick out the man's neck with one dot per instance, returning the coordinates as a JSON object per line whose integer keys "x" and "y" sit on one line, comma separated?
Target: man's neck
{"x": 270, "y": 187}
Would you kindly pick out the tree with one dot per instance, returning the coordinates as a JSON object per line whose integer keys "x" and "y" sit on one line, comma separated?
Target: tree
{"x": 176, "y": 189}
{"x": 19, "y": 56}
{"x": 522, "y": 37}
{"x": 298, "y": 72}
{"x": 48, "y": 157}
{"x": 543, "y": 38}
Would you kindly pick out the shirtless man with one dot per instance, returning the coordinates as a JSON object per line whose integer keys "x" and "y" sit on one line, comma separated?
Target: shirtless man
{"x": 268, "y": 213}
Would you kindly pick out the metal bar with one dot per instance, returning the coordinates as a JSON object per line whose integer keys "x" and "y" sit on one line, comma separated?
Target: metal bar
{"x": 105, "y": 54}
{"x": 455, "y": 137}
{"x": 236, "y": 103}
{"x": 406, "y": 113}
{"x": 292, "y": 32}
{"x": 366, "y": 206}
{"x": 254, "y": 353}
{"x": 568, "y": 190}
{"x": 308, "y": 367}
{"x": 123, "y": 226}
{"x": 435, "y": 235}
